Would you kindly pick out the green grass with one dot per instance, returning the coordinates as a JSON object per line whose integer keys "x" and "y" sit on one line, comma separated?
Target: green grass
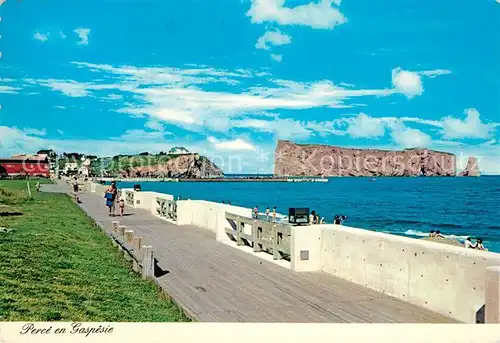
{"x": 57, "y": 265}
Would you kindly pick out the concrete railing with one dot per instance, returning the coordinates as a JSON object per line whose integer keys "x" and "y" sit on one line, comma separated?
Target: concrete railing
{"x": 447, "y": 279}
{"x": 129, "y": 197}
{"x": 264, "y": 236}
{"x": 166, "y": 208}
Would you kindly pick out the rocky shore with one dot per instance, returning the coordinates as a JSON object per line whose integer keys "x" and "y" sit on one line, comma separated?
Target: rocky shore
{"x": 186, "y": 166}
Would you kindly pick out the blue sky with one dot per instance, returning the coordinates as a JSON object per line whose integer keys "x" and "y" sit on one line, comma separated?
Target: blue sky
{"x": 228, "y": 78}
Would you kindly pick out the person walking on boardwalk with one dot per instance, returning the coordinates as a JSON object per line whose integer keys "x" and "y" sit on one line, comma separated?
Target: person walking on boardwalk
{"x": 76, "y": 188}
{"x": 274, "y": 214}
{"x": 267, "y": 213}
{"x": 122, "y": 207}
{"x": 111, "y": 198}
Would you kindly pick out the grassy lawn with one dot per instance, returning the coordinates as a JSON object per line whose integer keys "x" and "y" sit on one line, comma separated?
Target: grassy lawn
{"x": 57, "y": 265}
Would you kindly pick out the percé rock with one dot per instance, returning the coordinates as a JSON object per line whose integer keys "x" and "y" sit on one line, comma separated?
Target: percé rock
{"x": 472, "y": 168}
{"x": 186, "y": 166}
{"x": 322, "y": 160}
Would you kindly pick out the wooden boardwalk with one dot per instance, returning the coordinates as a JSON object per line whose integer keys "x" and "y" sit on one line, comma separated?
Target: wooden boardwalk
{"x": 214, "y": 282}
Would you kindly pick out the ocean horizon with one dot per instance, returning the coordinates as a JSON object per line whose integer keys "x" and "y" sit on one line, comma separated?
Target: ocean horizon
{"x": 459, "y": 207}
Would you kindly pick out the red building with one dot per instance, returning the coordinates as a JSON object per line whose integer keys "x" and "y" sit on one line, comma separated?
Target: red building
{"x": 37, "y": 165}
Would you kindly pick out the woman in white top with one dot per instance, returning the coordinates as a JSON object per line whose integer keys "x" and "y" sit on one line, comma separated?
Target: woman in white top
{"x": 479, "y": 244}
{"x": 468, "y": 243}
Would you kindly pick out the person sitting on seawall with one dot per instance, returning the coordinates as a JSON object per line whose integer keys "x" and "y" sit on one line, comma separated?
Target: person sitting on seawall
{"x": 256, "y": 212}
{"x": 468, "y": 243}
{"x": 479, "y": 245}
{"x": 312, "y": 217}
{"x": 339, "y": 220}
{"x": 438, "y": 234}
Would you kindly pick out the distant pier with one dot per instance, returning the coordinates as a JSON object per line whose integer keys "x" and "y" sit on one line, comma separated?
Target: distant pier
{"x": 255, "y": 179}
{"x": 219, "y": 179}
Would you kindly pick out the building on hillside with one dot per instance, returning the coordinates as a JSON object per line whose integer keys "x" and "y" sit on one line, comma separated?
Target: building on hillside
{"x": 25, "y": 165}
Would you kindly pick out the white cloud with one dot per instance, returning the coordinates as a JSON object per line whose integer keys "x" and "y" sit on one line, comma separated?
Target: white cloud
{"x": 366, "y": 127}
{"x": 63, "y": 36}
{"x": 470, "y": 127}
{"x": 436, "y": 123}
{"x": 35, "y": 132}
{"x": 407, "y": 82}
{"x": 61, "y": 132}
{"x": 436, "y": 72}
{"x": 281, "y": 128}
{"x": 172, "y": 76}
{"x": 176, "y": 96}
{"x": 14, "y": 140}
{"x": 113, "y": 97}
{"x": 154, "y": 125}
{"x": 272, "y": 38}
{"x": 231, "y": 145}
{"x": 42, "y": 37}
{"x": 67, "y": 87}
{"x": 318, "y": 15}
{"x": 8, "y": 89}
{"x": 276, "y": 57}
{"x": 135, "y": 135}
{"x": 406, "y": 137}
{"x": 60, "y": 107}
{"x": 83, "y": 34}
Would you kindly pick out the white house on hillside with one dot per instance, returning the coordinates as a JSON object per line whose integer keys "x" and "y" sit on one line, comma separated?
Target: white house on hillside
{"x": 178, "y": 150}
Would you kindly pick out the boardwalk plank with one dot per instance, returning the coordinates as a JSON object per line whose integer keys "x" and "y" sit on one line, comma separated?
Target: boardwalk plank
{"x": 217, "y": 283}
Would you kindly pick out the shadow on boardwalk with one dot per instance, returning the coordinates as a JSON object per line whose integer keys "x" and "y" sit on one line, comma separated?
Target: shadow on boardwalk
{"x": 214, "y": 282}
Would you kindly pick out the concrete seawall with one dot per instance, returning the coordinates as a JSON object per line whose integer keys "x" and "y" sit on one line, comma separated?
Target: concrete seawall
{"x": 454, "y": 281}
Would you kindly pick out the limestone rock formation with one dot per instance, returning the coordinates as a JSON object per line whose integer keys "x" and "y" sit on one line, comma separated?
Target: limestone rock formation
{"x": 472, "y": 168}
{"x": 322, "y": 160}
{"x": 185, "y": 166}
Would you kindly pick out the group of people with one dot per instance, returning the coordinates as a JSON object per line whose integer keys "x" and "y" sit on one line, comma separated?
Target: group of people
{"x": 314, "y": 218}
{"x": 111, "y": 196}
{"x": 436, "y": 234}
{"x": 467, "y": 243}
{"x": 478, "y": 245}
{"x": 270, "y": 215}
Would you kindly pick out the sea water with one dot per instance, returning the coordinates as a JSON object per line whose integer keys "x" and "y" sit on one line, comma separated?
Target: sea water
{"x": 457, "y": 206}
